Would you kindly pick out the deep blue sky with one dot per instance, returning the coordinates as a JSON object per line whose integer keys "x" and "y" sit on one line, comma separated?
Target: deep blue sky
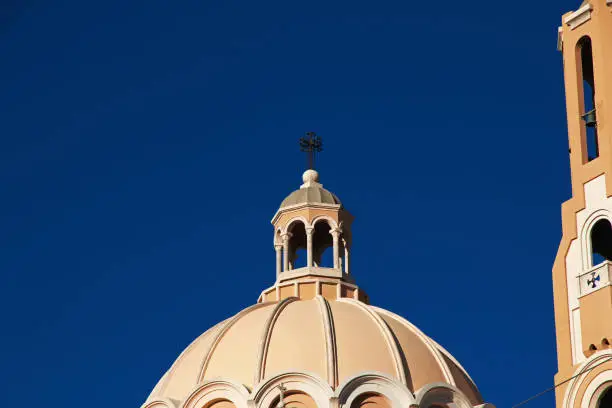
{"x": 144, "y": 143}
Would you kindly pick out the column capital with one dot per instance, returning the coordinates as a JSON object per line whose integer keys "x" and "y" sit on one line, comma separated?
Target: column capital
{"x": 309, "y": 230}
{"x": 286, "y": 235}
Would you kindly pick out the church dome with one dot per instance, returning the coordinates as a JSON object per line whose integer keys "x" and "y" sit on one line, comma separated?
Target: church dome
{"x": 332, "y": 340}
{"x": 311, "y": 192}
{"x": 313, "y": 340}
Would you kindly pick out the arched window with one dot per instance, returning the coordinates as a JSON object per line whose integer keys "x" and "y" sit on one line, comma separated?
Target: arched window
{"x": 605, "y": 401}
{"x": 322, "y": 245}
{"x": 601, "y": 241}
{"x": 371, "y": 400}
{"x": 295, "y": 400}
{"x": 297, "y": 245}
{"x": 584, "y": 53}
{"x": 220, "y": 403}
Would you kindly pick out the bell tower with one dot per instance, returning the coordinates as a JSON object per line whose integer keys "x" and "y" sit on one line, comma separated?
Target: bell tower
{"x": 312, "y": 240}
{"x": 582, "y": 271}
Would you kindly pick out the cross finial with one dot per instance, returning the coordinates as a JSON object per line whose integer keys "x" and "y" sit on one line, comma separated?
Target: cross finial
{"x": 311, "y": 144}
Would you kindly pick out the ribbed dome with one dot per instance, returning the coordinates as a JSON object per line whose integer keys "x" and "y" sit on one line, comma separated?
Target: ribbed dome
{"x": 310, "y": 195}
{"x": 311, "y": 192}
{"x": 332, "y": 339}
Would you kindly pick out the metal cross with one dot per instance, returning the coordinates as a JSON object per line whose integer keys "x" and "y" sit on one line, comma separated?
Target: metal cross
{"x": 593, "y": 281}
{"x": 311, "y": 144}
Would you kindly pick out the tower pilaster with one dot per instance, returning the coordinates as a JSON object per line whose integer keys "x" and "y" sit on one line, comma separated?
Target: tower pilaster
{"x": 581, "y": 272}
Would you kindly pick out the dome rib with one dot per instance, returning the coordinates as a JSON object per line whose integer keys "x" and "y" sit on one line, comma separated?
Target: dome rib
{"x": 426, "y": 340}
{"x": 310, "y": 195}
{"x": 330, "y": 340}
{"x": 231, "y": 321}
{"x": 387, "y": 334}
{"x": 335, "y": 339}
{"x": 264, "y": 342}
{"x": 161, "y": 386}
{"x": 453, "y": 359}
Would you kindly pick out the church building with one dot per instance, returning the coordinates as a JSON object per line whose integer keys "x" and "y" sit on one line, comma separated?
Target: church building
{"x": 582, "y": 269}
{"x": 313, "y": 339}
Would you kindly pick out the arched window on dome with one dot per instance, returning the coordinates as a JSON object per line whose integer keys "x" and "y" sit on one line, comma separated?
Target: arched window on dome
{"x": 601, "y": 242}
{"x": 295, "y": 400}
{"x": 220, "y": 403}
{"x": 297, "y": 245}
{"x": 605, "y": 401}
{"x": 371, "y": 400}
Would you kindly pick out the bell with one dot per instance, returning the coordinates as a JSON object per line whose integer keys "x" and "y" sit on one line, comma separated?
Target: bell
{"x": 590, "y": 119}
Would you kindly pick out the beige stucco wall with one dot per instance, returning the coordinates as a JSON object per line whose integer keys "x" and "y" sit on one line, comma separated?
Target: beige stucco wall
{"x": 599, "y": 29}
{"x": 358, "y": 335}
{"x": 333, "y": 340}
{"x": 239, "y": 348}
{"x": 596, "y": 324}
{"x": 286, "y": 348}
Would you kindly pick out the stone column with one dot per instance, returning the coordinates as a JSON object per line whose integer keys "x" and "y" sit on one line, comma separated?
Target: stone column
{"x": 336, "y": 236}
{"x": 309, "y": 254}
{"x": 346, "y": 259}
{"x": 279, "y": 259}
{"x": 286, "y": 236}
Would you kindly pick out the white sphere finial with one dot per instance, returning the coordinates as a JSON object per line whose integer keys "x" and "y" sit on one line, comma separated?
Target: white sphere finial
{"x": 310, "y": 176}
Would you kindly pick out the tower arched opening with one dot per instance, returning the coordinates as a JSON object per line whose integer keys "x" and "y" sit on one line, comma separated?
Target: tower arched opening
{"x": 297, "y": 245}
{"x": 601, "y": 242}
{"x": 584, "y": 53}
{"x": 322, "y": 244}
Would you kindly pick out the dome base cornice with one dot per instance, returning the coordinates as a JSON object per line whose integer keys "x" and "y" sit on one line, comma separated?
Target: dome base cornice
{"x": 308, "y": 284}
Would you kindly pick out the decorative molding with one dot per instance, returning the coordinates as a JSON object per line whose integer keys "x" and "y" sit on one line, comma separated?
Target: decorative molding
{"x": 163, "y": 383}
{"x": 330, "y": 221}
{"x": 264, "y": 341}
{"x": 579, "y": 17}
{"x": 160, "y": 403}
{"x": 316, "y": 280}
{"x": 585, "y": 236}
{"x": 431, "y": 345}
{"x": 217, "y": 389}
{"x": 312, "y": 271}
{"x": 394, "y": 348}
{"x": 453, "y": 359}
{"x": 442, "y": 394}
{"x": 304, "y": 205}
{"x": 374, "y": 382}
{"x": 569, "y": 398}
{"x": 299, "y": 218}
{"x": 594, "y": 390}
{"x": 264, "y": 393}
{"x": 220, "y": 335}
{"x": 330, "y": 340}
